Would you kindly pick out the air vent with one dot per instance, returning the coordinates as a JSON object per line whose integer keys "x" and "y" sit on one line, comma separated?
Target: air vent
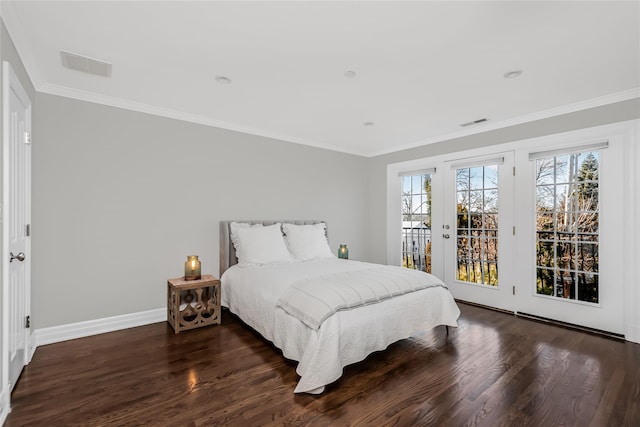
{"x": 85, "y": 64}
{"x": 475, "y": 122}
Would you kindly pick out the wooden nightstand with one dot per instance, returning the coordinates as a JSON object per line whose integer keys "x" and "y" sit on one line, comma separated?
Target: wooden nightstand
{"x": 193, "y": 303}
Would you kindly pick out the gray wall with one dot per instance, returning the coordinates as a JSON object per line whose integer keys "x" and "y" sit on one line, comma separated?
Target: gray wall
{"x": 120, "y": 199}
{"x": 377, "y": 224}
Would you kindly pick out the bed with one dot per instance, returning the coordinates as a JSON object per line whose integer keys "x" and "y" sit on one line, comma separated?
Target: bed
{"x": 336, "y": 337}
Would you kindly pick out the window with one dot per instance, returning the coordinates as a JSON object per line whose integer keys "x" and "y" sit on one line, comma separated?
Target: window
{"x": 416, "y": 222}
{"x": 567, "y": 226}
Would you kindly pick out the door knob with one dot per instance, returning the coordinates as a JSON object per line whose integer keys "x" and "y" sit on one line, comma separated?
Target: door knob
{"x": 19, "y": 257}
{"x": 446, "y": 236}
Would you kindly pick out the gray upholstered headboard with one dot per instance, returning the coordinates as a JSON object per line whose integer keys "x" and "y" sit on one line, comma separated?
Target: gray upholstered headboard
{"x": 228, "y": 252}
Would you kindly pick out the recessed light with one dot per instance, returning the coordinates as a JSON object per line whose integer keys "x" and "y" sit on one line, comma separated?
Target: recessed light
{"x": 349, "y": 74}
{"x": 512, "y": 74}
{"x": 223, "y": 80}
{"x": 368, "y": 124}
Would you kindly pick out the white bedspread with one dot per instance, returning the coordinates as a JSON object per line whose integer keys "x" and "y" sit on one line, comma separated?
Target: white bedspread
{"x": 313, "y": 300}
{"x": 345, "y": 337}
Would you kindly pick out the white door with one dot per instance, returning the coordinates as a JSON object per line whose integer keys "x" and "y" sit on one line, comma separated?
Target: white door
{"x": 16, "y": 217}
{"x": 477, "y": 230}
{"x": 570, "y": 215}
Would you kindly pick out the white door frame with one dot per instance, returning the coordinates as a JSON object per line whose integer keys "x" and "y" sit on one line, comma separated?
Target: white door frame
{"x": 11, "y": 83}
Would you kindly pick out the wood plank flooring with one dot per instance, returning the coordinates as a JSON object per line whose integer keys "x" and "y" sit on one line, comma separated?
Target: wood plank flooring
{"x": 493, "y": 370}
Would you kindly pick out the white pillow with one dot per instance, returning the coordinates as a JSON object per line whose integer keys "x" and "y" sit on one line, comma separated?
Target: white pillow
{"x": 234, "y": 230}
{"x": 307, "y": 242}
{"x": 261, "y": 246}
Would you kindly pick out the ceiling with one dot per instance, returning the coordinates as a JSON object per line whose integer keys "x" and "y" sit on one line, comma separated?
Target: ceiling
{"x": 421, "y": 68}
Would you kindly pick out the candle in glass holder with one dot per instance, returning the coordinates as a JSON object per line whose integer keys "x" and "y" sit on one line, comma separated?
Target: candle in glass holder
{"x": 343, "y": 252}
{"x": 192, "y": 268}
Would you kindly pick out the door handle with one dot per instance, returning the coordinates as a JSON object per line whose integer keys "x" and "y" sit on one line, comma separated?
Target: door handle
{"x": 19, "y": 257}
{"x": 446, "y": 236}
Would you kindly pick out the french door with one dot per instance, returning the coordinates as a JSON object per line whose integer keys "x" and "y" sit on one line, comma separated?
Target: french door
{"x": 537, "y": 227}
{"x": 537, "y": 232}
{"x": 571, "y": 233}
{"x": 477, "y": 231}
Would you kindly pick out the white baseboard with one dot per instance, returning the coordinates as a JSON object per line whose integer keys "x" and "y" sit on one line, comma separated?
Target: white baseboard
{"x": 98, "y": 326}
{"x": 5, "y": 404}
{"x": 632, "y": 334}
{"x": 31, "y": 347}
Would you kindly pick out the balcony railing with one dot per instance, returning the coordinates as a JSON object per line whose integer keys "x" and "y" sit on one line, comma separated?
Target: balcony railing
{"x": 416, "y": 247}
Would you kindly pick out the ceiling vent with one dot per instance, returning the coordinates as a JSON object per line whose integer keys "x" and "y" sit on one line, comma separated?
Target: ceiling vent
{"x": 475, "y": 122}
{"x": 85, "y": 64}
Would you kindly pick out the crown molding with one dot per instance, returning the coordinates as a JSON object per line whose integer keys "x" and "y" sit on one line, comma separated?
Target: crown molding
{"x": 126, "y": 104}
{"x": 81, "y": 95}
{"x": 552, "y": 112}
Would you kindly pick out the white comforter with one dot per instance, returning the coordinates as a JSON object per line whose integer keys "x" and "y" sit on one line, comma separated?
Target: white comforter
{"x": 347, "y": 336}
{"x": 315, "y": 299}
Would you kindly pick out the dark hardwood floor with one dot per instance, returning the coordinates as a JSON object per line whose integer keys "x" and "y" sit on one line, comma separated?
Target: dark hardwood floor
{"x": 494, "y": 370}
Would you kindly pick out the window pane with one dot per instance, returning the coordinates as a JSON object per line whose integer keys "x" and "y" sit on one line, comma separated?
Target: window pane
{"x": 476, "y": 178}
{"x": 545, "y": 198}
{"x": 491, "y": 200}
{"x": 588, "y": 257}
{"x": 491, "y": 177}
{"x": 544, "y": 171}
{"x": 561, "y": 169}
{"x": 492, "y": 249}
{"x": 476, "y": 221}
{"x": 463, "y": 221}
{"x": 476, "y": 203}
{"x": 588, "y": 287}
{"x": 544, "y": 281}
{"x": 462, "y": 179}
{"x": 586, "y": 167}
{"x": 406, "y": 184}
{"x": 565, "y": 255}
{"x": 416, "y": 204}
{"x": 416, "y": 184}
{"x": 562, "y": 197}
{"x": 565, "y": 284}
{"x": 463, "y": 201}
{"x": 493, "y": 274}
{"x": 545, "y": 254}
{"x": 544, "y": 221}
{"x": 490, "y": 221}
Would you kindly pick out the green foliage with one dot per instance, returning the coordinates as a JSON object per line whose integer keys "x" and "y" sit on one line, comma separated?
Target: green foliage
{"x": 588, "y": 180}
{"x": 427, "y": 190}
{"x": 474, "y": 273}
